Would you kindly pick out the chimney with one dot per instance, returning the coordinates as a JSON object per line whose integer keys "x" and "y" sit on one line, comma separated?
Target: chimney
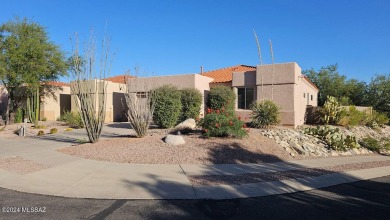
{"x": 201, "y": 70}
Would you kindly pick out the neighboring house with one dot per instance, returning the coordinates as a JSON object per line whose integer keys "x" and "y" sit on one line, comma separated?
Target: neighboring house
{"x": 283, "y": 83}
{"x": 196, "y": 81}
{"x": 53, "y": 106}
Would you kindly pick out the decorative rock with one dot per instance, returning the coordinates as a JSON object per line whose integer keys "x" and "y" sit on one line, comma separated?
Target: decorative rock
{"x": 284, "y": 144}
{"x": 297, "y": 147}
{"x": 346, "y": 153}
{"x": 187, "y": 124}
{"x": 294, "y": 141}
{"x": 364, "y": 151}
{"x": 174, "y": 139}
{"x": 356, "y": 151}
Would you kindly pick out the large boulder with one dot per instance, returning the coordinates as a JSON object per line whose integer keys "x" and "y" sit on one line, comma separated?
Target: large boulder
{"x": 188, "y": 124}
{"x": 174, "y": 139}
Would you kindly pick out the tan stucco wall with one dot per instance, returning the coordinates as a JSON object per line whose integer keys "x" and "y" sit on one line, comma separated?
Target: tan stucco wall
{"x": 111, "y": 88}
{"x": 287, "y": 89}
{"x": 50, "y": 106}
{"x": 244, "y": 79}
{"x": 301, "y": 101}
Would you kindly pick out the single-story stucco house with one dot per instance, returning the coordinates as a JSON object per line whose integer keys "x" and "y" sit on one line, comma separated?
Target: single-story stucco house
{"x": 283, "y": 83}
{"x": 288, "y": 87}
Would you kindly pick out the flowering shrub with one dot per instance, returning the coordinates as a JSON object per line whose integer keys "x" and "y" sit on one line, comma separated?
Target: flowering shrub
{"x": 218, "y": 123}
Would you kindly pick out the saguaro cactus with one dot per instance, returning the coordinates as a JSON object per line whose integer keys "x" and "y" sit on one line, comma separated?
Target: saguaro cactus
{"x": 33, "y": 107}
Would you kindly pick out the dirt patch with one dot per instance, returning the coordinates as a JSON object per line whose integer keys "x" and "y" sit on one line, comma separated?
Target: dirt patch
{"x": 20, "y": 165}
{"x": 197, "y": 150}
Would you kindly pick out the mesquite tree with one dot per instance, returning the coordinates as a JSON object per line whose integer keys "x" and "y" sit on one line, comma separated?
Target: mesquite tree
{"x": 27, "y": 59}
{"x": 89, "y": 87}
{"x": 140, "y": 107}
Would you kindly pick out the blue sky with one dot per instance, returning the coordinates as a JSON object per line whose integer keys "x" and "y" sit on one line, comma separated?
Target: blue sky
{"x": 165, "y": 37}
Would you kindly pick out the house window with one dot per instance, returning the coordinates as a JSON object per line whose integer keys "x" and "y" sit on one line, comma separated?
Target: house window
{"x": 141, "y": 94}
{"x": 245, "y": 97}
{"x": 311, "y": 97}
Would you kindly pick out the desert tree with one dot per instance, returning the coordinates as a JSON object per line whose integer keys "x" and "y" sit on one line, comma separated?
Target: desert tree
{"x": 140, "y": 105}
{"x": 28, "y": 59}
{"x": 89, "y": 86}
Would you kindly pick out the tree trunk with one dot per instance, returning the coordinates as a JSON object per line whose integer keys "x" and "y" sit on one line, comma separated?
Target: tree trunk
{"x": 10, "y": 114}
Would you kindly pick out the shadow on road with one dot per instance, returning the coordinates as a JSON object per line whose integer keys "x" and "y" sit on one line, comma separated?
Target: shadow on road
{"x": 360, "y": 200}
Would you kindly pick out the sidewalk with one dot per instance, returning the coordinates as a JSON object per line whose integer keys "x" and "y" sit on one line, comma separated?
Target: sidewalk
{"x": 69, "y": 176}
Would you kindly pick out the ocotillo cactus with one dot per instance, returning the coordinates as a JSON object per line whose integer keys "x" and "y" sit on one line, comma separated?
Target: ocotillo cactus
{"x": 33, "y": 107}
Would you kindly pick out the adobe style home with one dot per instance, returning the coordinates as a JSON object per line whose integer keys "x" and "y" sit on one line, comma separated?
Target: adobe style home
{"x": 288, "y": 87}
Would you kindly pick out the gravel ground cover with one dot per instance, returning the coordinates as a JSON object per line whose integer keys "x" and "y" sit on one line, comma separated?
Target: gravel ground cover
{"x": 274, "y": 176}
{"x": 10, "y": 130}
{"x": 20, "y": 165}
{"x": 256, "y": 148}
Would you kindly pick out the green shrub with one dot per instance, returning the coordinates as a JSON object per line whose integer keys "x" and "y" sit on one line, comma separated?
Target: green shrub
{"x": 44, "y": 119}
{"x": 352, "y": 117}
{"x": 265, "y": 113}
{"x": 371, "y": 144}
{"x": 345, "y": 101}
{"x": 333, "y": 137}
{"x": 40, "y": 133}
{"x": 377, "y": 119}
{"x": 331, "y": 111}
{"x": 53, "y": 130}
{"x": 19, "y": 115}
{"x": 218, "y": 123}
{"x": 73, "y": 119}
{"x": 191, "y": 102}
{"x": 167, "y": 106}
{"x": 40, "y": 127}
{"x": 375, "y": 145}
{"x": 221, "y": 97}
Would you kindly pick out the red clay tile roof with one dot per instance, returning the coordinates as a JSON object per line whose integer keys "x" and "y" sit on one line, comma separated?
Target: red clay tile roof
{"x": 119, "y": 79}
{"x": 307, "y": 79}
{"x": 53, "y": 83}
{"x": 226, "y": 74}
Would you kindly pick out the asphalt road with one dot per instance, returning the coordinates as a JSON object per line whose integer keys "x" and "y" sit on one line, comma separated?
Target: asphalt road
{"x": 360, "y": 200}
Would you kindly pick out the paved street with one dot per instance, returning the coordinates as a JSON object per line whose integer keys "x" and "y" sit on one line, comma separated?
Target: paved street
{"x": 359, "y": 200}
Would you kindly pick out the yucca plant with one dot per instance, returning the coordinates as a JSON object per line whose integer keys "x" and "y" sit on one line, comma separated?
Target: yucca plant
{"x": 265, "y": 113}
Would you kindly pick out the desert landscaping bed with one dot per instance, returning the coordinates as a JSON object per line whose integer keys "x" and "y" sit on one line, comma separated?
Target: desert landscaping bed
{"x": 283, "y": 175}
{"x": 256, "y": 148}
{"x": 9, "y": 131}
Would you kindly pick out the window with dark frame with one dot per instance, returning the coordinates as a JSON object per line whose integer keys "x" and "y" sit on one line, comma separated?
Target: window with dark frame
{"x": 245, "y": 97}
{"x": 311, "y": 97}
{"x": 141, "y": 94}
